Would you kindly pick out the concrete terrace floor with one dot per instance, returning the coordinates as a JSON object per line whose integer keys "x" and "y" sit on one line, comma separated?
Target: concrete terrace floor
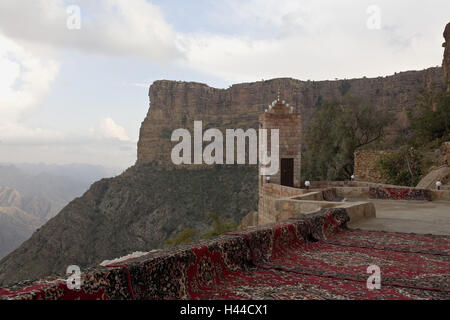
{"x": 421, "y": 217}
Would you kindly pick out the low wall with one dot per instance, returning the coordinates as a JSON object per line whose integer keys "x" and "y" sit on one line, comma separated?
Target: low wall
{"x": 353, "y": 192}
{"x": 179, "y": 273}
{"x": 443, "y": 195}
{"x": 279, "y": 191}
{"x": 370, "y": 190}
{"x": 268, "y": 208}
{"x": 290, "y": 208}
{"x": 399, "y": 193}
{"x": 358, "y": 211}
{"x": 297, "y": 207}
{"x": 267, "y": 197}
{"x": 340, "y": 184}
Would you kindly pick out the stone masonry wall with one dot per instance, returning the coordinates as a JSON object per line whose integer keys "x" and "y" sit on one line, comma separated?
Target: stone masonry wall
{"x": 445, "y": 153}
{"x": 366, "y": 166}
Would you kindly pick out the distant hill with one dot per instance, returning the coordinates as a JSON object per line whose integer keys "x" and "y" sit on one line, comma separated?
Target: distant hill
{"x": 31, "y": 194}
{"x": 136, "y": 211}
{"x": 85, "y": 173}
{"x": 16, "y": 226}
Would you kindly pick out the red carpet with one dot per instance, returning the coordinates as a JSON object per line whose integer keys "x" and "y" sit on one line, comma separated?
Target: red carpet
{"x": 412, "y": 267}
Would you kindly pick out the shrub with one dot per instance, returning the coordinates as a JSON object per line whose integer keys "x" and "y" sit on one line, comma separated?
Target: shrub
{"x": 218, "y": 226}
{"x": 401, "y": 168}
{"x": 186, "y": 236}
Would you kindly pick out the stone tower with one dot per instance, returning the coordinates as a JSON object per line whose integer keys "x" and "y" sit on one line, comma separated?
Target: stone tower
{"x": 282, "y": 116}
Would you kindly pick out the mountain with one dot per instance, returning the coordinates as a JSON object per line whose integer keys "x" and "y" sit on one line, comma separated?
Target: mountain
{"x": 15, "y": 226}
{"x": 84, "y": 173}
{"x": 136, "y": 211}
{"x": 30, "y": 195}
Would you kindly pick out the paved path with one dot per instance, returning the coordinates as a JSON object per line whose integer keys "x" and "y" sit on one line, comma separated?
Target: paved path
{"x": 422, "y": 217}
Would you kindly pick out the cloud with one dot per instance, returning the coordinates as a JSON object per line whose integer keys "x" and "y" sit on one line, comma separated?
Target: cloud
{"x": 25, "y": 79}
{"x": 318, "y": 40}
{"x": 112, "y": 27}
{"x": 110, "y": 130}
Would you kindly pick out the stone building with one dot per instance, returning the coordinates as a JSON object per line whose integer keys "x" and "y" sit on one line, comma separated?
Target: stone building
{"x": 282, "y": 116}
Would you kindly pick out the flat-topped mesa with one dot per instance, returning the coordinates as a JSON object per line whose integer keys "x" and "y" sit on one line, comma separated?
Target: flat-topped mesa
{"x": 446, "y": 61}
{"x": 177, "y": 104}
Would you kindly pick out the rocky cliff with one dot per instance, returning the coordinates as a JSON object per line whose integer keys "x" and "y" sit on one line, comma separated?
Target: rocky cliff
{"x": 176, "y": 105}
{"x": 446, "y": 61}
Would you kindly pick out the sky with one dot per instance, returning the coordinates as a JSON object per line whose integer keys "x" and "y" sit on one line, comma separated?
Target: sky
{"x": 74, "y": 75}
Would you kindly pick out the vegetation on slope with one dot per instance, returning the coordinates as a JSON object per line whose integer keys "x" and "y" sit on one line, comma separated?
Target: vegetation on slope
{"x": 336, "y": 131}
{"x": 341, "y": 127}
{"x": 136, "y": 211}
{"x": 218, "y": 226}
{"x": 430, "y": 127}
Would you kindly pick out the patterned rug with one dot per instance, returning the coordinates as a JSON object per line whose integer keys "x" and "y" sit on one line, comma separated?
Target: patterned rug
{"x": 335, "y": 267}
{"x": 315, "y": 257}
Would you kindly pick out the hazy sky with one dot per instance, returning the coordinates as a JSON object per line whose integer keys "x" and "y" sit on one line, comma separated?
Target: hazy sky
{"x": 76, "y": 90}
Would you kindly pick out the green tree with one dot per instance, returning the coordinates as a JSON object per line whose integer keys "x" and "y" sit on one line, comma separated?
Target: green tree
{"x": 335, "y": 132}
{"x": 188, "y": 235}
{"x": 429, "y": 127}
{"x": 402, "y": 168}
{"x": 432, "y": 120}
{"x": 218, "y": 226}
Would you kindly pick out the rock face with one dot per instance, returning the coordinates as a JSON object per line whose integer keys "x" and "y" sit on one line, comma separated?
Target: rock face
{"x": 446, "y": 62}
{"x": 136, "y": 211}
{"x": 176, "y": 105}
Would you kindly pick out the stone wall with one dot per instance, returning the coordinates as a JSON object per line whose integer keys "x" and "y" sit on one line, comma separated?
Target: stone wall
{"x": 399, "y": 193}
{"x": 176, "y": 105}
{"x": 269, "y": 193}
{"x": 366, "y": 165}
{"x": 445, "y": 154}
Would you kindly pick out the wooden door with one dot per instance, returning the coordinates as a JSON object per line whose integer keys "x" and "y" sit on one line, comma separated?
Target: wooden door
{"x": 287, "y": 172}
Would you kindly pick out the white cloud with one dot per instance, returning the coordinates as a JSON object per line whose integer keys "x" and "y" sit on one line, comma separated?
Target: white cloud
{"x": 111, "y": 130}
{"x": 25, "y": 79}
{"x": 320, "y": 39}
{"x": 112, "y": 27}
